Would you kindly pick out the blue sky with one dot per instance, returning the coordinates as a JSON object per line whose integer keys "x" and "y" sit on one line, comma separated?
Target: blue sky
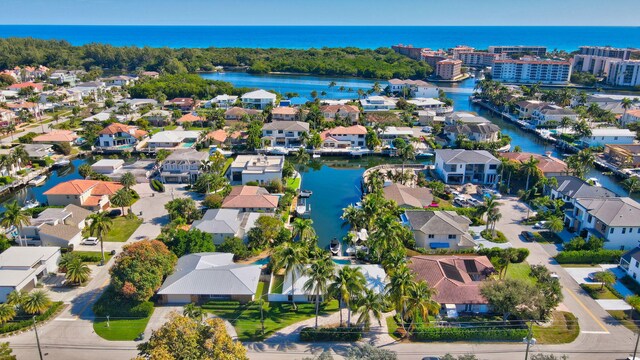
{"x": 325, "y": 12}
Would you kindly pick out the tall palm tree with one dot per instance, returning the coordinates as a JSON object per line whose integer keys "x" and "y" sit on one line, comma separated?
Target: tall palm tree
{"x": 99, "y": 227}
{"x": 36, "y": 302}
{"x": 77, "y": 272}
{"x": 493, "y": 217}
{"x": 16, "y": 298}
{"x": 529, "y": 168}
{"x": 554, "y": 224}
{"x": 7, "y": 313}
{"x": 371, "y": 303}
{"x": 397, "y": 288}
{"x": 489, "y": 206}
{"x": 565, "y": 122}
{"x": 122, "y": 198}
{"x": 193, "y": 311}
{"x": 626, "y": 104}
{"x": 291, "y": 257}
{"x": 632, "y": 184}
{"x": 320, "y": 272}
{"x": 420, "y": 302}
{"x": 15, "y": 216}
{"x": 406, "y": 153}
{"x": 128, "y": 180}
{"x": 354, "y": 217}
{"x": 303, "y": 230}
{"x": 347, "y": 285}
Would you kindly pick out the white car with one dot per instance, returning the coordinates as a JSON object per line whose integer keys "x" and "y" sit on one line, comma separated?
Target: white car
{"x": 90, "y": 241}
{"x": 539, "y": 225}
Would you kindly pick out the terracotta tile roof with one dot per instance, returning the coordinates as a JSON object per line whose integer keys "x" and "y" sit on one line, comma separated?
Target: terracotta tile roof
{"x": 284, "y": 110}
{"x": 182, "y": 101}
{"x": 21, "y": 105}
{"x": 341, "y": 130}
{"x": 78, "y": 187}
{"x": 220, "y": 135}
{"x": 635, "y": 113}
{"x": 453, "y": 276}
{"x": 25, "y": 85}
{"x": 57, "y": 136}
{"x": 339, "y": 108}
{"x": 115, "y": 128}
{"x": 547, "y": 164}
{"x": 190, "y": 118}
{"x": 249, "y": 197}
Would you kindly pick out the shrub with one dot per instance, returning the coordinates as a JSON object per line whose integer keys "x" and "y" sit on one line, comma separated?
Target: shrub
{"x": 331, "y": 334}
{"x": 466, "y": 334}
{"x": 589, "y": 257}
{"x": 23, "y": 324}
{"x": 499, "y": 238}
{"x": 93, "y": 257}
{"x": 62, "y": 148}
{"x": 4, "y": 180}
{"x": 252, "y": 183}
{"x": 236, "y": 247}
{"x": 213, "y": 201}
{"x": 157, "y": 185}
{"x": 522, "y": 253}
{"x": 115, "y": 305}
{"x": 27, "y": 138}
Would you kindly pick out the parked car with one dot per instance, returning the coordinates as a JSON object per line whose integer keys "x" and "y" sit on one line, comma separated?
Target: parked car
{"x": 528, "y": 236}
{"x": 90, "y": 241}
{"x": 539, "y": 225}
{"x": 474, "y": 202}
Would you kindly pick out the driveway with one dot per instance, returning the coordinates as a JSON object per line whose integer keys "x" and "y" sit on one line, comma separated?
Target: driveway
{"x": 581, "y": 275}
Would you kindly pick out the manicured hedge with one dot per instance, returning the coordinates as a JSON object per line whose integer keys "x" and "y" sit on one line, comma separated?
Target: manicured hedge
{"x": 112, "y": 304}
{"x": 331, "y": 334}
{"x": 499, "y": 238}
{"x": 522, "y": 253}
{"x": 28, "y": 321}
{"x": 589, "y": 257}
{"x": 465, "y": 334}
{"x": 157, "y": 185}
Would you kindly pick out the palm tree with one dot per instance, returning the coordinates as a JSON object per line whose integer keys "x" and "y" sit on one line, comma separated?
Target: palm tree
{"x": 36, "y": 302}
{"x": 291, "y": 257}
{"x": 7, "y": 313}
{"x": 492, "y": 218}
{"x": 605, "y": 278}
{"x": 16, "y": 298}
{"x": 565, "y": 122}
{"x": 193, "y": 311}
{"x": 420, "y": 302}
{"x": 489, "y": 206}
{"x": 582, "y": 129}
{"x": 127, "y": 180}
{"x": 376, "y": 88}
{"x": 397, "y": 288}
{"x": 348, "y": 284}
{"x": 353, "y": 217}
{"x": 15, "y": 216}
{"x": 301, "y": 156}
{"x": 122, "y": 198}
{"x": 626, "y": 104}
{"x": 320, "y": 272}
{"x": 529, "y": 168}
{"x": 332, "y": 84}
{"x": 99, "y": 227}
{"x": 371, "y": 303}
{"x": 632, "y": 184}
{"x": 406, "y": 152}
{"x": 303, "y": 230}
{"x": 77, "y": 272}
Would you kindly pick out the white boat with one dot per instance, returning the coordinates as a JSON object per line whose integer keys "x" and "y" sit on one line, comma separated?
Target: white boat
{"x": 306, "y": 193}
{"x": 61, "y": 162}
{"x": 303, "y": 209}
{"x": 30, "y": 204}
{"x": 38, "y": 180}
{"x": 359, "y": 152}
{"x": 335, "y": 247}
{"x": 316, "y": 156}
{"x": 594, "y": 181}
{"x": 279, "y": 151}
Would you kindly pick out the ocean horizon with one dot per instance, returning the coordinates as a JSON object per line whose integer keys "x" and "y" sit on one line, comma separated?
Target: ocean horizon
{"x": 304, "y": 37}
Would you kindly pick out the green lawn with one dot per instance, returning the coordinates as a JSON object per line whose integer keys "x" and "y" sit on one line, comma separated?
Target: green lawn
{"x": 120, "y": 329}
{"x": 564, "y": 329}
{"x": 520, "y": 271}
{"x": 278, "y": 281}
{"x": 226, "y": 166}
{"x": 548, "y": 237}
{"x": 581, "y": 266}
{"x": 594, "y": 291}
{"x": 623, "y": 317}
{"x": 122, "y": 228}
{"x": 246, "y": 318}
{"x": 392, "y": 326}
{"x": 293, "y": 184}
{"x": 92, "y": 257}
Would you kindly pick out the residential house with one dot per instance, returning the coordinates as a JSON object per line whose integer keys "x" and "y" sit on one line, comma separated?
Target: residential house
{"x": 613, "y": 219}
{"x": 457, "y": 281}
{"x": 142, "y": 169}
{"x": 7, "y": 117}
{"x": 390, "y": 133}
{"x": 61, "y": 77}
{"x": 284, "y": 133}
{"x": 259, "y": 168}
{"x": 461, "y": 117}
{"x": 623, "y": 156}
{"x": 630, "y": 263}
{"x": 61, "y": 227}
{"x": 226, "y": 223}
{"x": 139, "y": 103}
{"x": 222, "y": 136}
{"x": 344, "y": 137}
{"x": 182, "y": 104}
{"x": 237, "y": 113}
{"x": 432, "y": 104}
{"x": 191, "y": 119}
{"x": 408, "y": 197}
{"x": 90, "y": 89}
{"x": 182, "y": 166}
{"x": 413, "y": 88}
{"x": 351, "y": 112}
{"x": 22, "y": 267}
{"x": 35, "y": 87}
{"x": 120, "y": 80}
{"x": 90, "y": 194}
{"x": 542, "y": 115}
{"x": 525, "y": 108}
{"x": 203, "y": 277}
{"x": 173, "y": 139}
{"x": 107, "y": 166}
{"x": 56, "y": 137}
{"x": 158, "y": 117}
{"x": 604, "y": 136}
{"x": 118, "y": 136}
{"x": 250, "y": 199}
{"x": 377, "y": 103}
{"x": 548, "y": 165}
{"x": 478, "y": 132}
{"x": 374, "y": 275}
{"x": 439, "y": 229}
{"x": 571, "y": 188}
{"x": 460, "y": 166}
{"x": 223, "y": 101}
{"x": 38, "y": 151}
{"x": 284, "y": 113}
{"x": 630, "y": 117}
{"x": 258, "y": 99}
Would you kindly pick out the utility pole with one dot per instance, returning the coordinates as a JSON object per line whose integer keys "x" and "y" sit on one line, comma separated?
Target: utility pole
{"x": 37, "y": 338}
{"x": 635, "y": 349}
{"x": 108, "y": 324}
{"x": 526, "y": 354}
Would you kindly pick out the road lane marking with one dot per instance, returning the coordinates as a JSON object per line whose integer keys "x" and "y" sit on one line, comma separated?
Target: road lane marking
{"x": 588, "y": 311}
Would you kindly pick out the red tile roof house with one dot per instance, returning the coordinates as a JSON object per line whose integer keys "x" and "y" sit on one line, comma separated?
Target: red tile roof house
{"x": 191, "y": 118}
{"x": 250, "y": 199}
{"x": 343, "y": 111}
{"x": 456, "y": 279}
{"x": 90, "y": 194}
{"x": 284, "y": 113}
{"x": 344, "y": 137}
{"x": 37, "y": 87}
{"x": 56, "y": 137}
{"x": 184, "y": 104}
{"x": 221, "y": 136}
{"x": 121, "y": 137}
{"x": 549, "y": 166}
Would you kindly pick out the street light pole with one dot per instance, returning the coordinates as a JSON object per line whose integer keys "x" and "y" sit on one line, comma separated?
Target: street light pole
{"x": 526, "y": 354}
{"x": 37, "y": 338}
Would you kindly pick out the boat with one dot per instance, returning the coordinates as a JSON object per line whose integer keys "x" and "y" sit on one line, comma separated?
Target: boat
{"x": 594, "y": 181}
{"x": 316, "y": 156}
{"x": 38, "y": 180}
{"x": 306, "y": 193}
{"x": 335, "y": 247}
{"x": 62, "y": 162}
{"x": 30, "y": 204}
{"x": 303, "y": 209}
{"x": 279, "y": 151}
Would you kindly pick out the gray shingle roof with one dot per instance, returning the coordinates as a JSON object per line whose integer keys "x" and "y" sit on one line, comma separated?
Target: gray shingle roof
{"x": 438, "y": 222}
{"x": 574, "y": 187}
{"x": 211, "y": 274}
{"x": 61, "y": 231}
{"x": 460, "y": 156}
{"x": 286, "y": 126}
{"x": 613, "y": 211}
{"x": 219, "y": 221}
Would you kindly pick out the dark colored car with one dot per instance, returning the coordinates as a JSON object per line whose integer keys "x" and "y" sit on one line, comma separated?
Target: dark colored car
{"x": 528, "y": 236}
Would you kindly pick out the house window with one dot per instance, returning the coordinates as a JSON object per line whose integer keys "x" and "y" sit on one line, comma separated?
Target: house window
{"x": 624, "y": 230}
{"x": 493, "y": 167}
{"x": 452, "y": 237}
{"x": 637, "y": 264}
{"x": 589, "y": 218}
{"x": 611, "y": 231}
{"x": 634, "y": 275}
{"x": 431, "y": 236}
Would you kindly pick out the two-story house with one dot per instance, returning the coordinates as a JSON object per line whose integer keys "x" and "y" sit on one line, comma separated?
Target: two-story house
{"x": 182, "y": 166}
{"x": 458, "y": 166}
{"x": 118, "y": 136}
{"x": 613, "y": 219}
{"x": 351, "y": 112}
{"x": 173, "y": 139}
{"x": 478, "y": 132}
{"x": 223, "y": 101}
{"x": 250, "y": 199}
{"x": 377, "y": 103}
{"x": 413, "y": 88}
{"x": 284, "y": 133}
{"x": 344, "y": 137}
{"x": 182, "y": 104}
{"x": 56, "y": 227}
{"x": 630, "y": 263}
{"x": 258, "y": 99}
{"x": 93, "y": 195}
{"x": 22, "y": 267}
{"x": 439, "y": 229}
{"x": 284, "y": 113}
{"x": 258, "y": 168}
{"x": 542, "y": 115}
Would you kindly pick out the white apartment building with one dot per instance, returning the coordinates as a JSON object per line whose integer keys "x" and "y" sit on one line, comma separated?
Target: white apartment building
{"x": 479, "y": 59}
{"x": 258, "y": 99}
{"x": 624, "y": 73}
{"x": 596, "y": 65}
{"x": 460, "y": 166}
{"x": 531, "y": 71}
{"x": 413, "y": 88}
{"x": 519, "y": 49}
{"x": 606, "y": 51}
